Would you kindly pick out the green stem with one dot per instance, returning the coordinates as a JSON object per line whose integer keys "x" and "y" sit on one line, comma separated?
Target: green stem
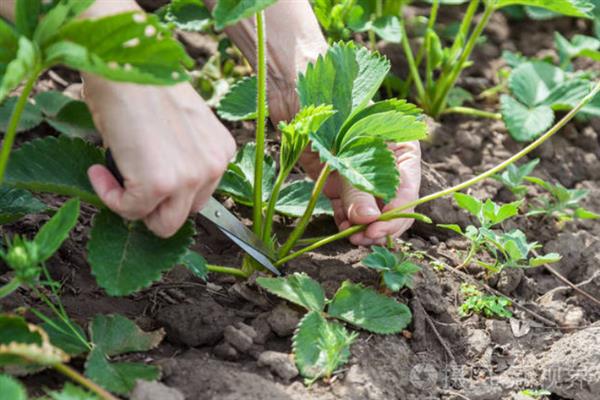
{"x": 261, "y": 72}
{"x": 270, "y": 213}
{"x": 449, "y": 82}
{"x": 10, "y": 287}
{"x": 13, "y": 124}
{"x": 227, "y": 270}
{"x": 434, "y": 196}
{"x": 83, "y": 381}
{"x": 414, "y": 71}
{"x": 303, "y": 222}
{"x": 463, "y": 31}
{"x": 473, "y": 112}
{"x": 469, "y": 257}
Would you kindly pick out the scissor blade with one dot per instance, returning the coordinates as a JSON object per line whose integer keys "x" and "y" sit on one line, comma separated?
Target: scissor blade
{"x": 238, "y": 233}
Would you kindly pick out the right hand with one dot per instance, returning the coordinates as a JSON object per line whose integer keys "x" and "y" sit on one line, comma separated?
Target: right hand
{"x": 169, "y": 146}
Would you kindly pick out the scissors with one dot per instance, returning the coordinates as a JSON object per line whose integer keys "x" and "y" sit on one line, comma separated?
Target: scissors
{"x": 225, "y": 221}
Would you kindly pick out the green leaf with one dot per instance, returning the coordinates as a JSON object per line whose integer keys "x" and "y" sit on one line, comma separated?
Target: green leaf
{"x": 71, "y": 392}
{"x": 320, "y": 346}
{"x": 27, "y": 13}
{"x": 298, "y": 288}
{"x": 55, "y": 165}
{"x": 51, "y": 102}
{"x": 582, "y": 213}
{"x": 347, "y": 77}
{"x": 114, "y": 335}
{"x": 126, "y": 257}
{"x": 545, "y": 259}
{"x": 118, "y": 377}
{"x": 228, "y": 12}
{"x": 525, "y": 124}
{"x": 452, "y": 227}
{"x": 195, "y": 263}
{"x": 380, "y": 259}
{"x": 11, "y": 388}
{"x": 532, "y": 82}
{"x": 64, "y": 338}
{"x": 578, "y": 46}
{"x": 568, "y": 94}
{"x": 238, "y": 180}
{"x": 457, "y": 96}
{"x": 30, "y": 118}
{"x": 16, "y": 203}
{"x": 468, "y": 203}
{"x": 388, "y": 28}
{"x": 59, "y": 15}
{"x": 130, "y": 47}
{"x": 369, "y": 310}
{"x": 20, "y": 68}
{"x": 54, "y": 232}
{"x": 295, "y": 134}
{"x": 9, "y": 44}
{"x": 514, "y": 176}
{"x": 188, "y": 15}
{"x": 239, "y": 104}
{"x": 367, "y": 163}
{"x": 294, "y": 198}
{"x": 66, "y": 115}
{"x": 572, "y": 8}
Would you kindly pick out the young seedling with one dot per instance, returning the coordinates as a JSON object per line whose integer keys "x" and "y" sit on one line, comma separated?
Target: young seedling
{"x": 535, "y": 393}
{"x": 508, "y": 249}
{"x": 514, "y": 177}
{"x": 396, "y": 270}
{"x": 321, "y": 343}
{"x": 476, "y": 302}
{"x": 560, "y": 203}
{"x": 443, "y": 65}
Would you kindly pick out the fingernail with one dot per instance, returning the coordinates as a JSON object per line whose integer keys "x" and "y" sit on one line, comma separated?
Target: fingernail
{"x": 367, "y": 211}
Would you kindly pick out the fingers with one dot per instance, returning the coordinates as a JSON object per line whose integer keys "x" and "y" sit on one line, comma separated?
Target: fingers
{"x": 359, "y": 207}
{"x": 170, "y": 215}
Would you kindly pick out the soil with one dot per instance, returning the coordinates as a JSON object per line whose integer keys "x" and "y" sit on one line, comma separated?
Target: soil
{"x": 229, "y": 340}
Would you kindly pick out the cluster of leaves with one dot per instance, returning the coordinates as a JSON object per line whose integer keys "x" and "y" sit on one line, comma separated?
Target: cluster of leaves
{"x": 476, "y": 302}
{"x": 322, "y": 344}
{"x": 341, "y": 18}
{"x": 535, "y": 393}
{"x": 26, "y": 347}
{"x": 14, "y": 390}
{"x": 507, "y": 249}
{"x": 396, "y": 270}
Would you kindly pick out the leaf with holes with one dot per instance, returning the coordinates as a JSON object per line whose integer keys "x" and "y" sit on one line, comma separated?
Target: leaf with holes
{"x": 55, "y": 165}
{"x": 321, "y": 346}
{"x": 369, "y": 310}
{"x": 131, "y": 47}
{"x": 123, "y": 254}
{"x": 298, "y": 288}
{"x": 16, "y": 203}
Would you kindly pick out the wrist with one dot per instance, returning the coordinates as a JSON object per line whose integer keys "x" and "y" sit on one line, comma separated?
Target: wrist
{"x": 102, "y": 8}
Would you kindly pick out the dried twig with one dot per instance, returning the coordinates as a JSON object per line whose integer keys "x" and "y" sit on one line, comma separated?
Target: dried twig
{"x": 435, "y": 331}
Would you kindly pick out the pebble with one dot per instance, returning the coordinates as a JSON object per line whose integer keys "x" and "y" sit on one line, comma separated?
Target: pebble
{"x": 283, "y": 320}
{"x": 279, "y": 363}
{"x": 145, "y": 390}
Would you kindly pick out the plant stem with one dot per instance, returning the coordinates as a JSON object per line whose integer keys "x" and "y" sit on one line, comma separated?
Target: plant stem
{"x": 268, "y": 222}
{"x": 463, "y": 31}
{"x": 469, "y": 257}
{"x": 13, "y": 124}
{"x": 434, "y": 196}
{"x": 303, "y": 222}
{"x": 261, "y": 114}
{"x": 227, "y": 270}
{"x": 449, "y": 82}
{"x": 414, "y": 71}
{"x": 83, "y": 381}
{"x": 10, "y": 287}
{"x": 473, "y": 112}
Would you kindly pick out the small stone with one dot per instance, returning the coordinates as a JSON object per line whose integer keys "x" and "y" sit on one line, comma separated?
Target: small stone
{"x": 237, "y": 338}
{"x": 509, "y": 279}
{"x": 145, "y": 390}
{"x": 225, "y": 351}
{"x": 261, "y": 328}
{"x": 573, "y": 318}
{"x": 500, "y": 331}
{"x": 484, "y": 391}
{"x": 279, "y": 363}
{"x": 283, "y": 320}
{"x": 478, "y": 342}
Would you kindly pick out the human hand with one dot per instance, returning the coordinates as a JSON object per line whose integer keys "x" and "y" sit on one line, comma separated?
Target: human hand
{"x": 169, "y": 146}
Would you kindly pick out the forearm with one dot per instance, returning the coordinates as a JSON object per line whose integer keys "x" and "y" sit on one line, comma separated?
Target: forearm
{"x": 293, "y": 40}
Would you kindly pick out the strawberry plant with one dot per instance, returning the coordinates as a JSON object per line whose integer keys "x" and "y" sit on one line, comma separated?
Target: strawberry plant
{"x": 443, "y": 65}
{"x": 476, "y": 302}
{"x": 396, "y": 270}
{"x": 513, "y": 178}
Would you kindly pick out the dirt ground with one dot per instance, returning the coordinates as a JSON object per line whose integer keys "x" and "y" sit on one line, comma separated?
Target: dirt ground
{"x": 227, "y": 340}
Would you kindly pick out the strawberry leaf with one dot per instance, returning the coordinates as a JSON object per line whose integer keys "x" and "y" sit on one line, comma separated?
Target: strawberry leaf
{"x": 123, "y": 254}
{"x": 12, "y": 388}
{"x": 131, "y": 47}
{"x": 25, "y": 62}
{"x": 572, "y": 8}
{"x": 54, "y": 232}
{"x": 298, "y": 288}
{"x": 114, "y": 335}
{"x": 228, "y": 12}
{"x": 27, "y": 13}
{"x": 523, "y": 123}
{"x": 320, "y": 346}
{"x": 532, "y": 82}
{"x": 72, "y": 392}
{"x": 30, "y": 118}
{"x": 187, "y": 15}
{"x": 369, "y": 310}
{"x": 294, "y": 198}
{"x": 239, "y": 104}
{"x": 195, "y": 263}
{"x": 16, "y": 203}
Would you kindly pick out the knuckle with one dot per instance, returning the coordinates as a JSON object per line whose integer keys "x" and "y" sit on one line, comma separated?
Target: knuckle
{"x": 162, "y": 185}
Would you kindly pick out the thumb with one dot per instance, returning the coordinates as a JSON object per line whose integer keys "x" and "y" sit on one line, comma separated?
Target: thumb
{"x": 360, "y": 207}
{"x": 106, "y": 186}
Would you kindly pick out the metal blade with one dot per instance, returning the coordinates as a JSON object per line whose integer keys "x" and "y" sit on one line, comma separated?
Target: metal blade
{"x": 233, "y": 228}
